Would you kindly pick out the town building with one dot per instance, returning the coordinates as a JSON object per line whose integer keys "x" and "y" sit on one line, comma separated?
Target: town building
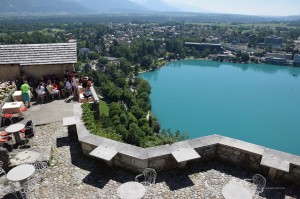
{"x": 273, "y": 41}
{"x": 276, "y": 61}
{"x": 35, "y": 60}
{"x": 280, "y": 55}
{"x": 84, "y": 51}
{"x": 203, "y": 46}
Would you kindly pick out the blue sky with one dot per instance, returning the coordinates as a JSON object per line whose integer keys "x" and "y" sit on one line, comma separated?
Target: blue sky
{"x": 248, "y": 7}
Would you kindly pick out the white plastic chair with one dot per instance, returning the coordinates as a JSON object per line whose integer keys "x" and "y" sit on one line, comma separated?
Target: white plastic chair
{"x": 40, "y": 167}
{"x": 149, "y": 177}
{"x": 260, "y": 182}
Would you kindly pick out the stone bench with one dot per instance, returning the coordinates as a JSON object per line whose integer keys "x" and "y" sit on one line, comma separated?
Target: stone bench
{"x": 70, "y": 122}
{"x": 275, "y": 161}
{"x": 104, "y": 153}
{"x": 183, "y": 152}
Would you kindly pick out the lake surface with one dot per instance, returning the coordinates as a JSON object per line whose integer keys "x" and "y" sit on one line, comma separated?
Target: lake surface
{"x": 251, "y": 102}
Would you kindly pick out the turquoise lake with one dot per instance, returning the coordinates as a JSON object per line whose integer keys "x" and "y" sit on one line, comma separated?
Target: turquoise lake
{"x": 251, "y": 102}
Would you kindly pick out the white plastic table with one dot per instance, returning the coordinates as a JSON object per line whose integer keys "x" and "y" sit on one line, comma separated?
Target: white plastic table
{"x": 15, "y": 129}
{"x": 17, "y": 96}
{"x": 236, "y": 191}
{"x": 131, "y": 190}
{"x": 20, "y": 173}
{"x": 13, "y": 107}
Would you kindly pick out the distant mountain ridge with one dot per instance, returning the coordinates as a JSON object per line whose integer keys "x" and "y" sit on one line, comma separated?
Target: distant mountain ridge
{"x": 41, "y": 6}
{"x": 111, "y": 5}
{"x": 160, "y": 6}
{"x": 68, "y": 6}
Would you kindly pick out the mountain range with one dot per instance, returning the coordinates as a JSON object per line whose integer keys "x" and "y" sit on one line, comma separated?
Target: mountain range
{"x": 82, "y": 6}
{"x": 40, "y": 6}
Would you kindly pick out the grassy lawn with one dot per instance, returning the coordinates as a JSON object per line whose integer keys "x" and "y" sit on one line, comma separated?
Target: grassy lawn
{"x": 104, "y": 109}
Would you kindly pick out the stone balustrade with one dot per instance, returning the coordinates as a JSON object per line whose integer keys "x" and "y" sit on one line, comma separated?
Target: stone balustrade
{"x": 275, "y": 164}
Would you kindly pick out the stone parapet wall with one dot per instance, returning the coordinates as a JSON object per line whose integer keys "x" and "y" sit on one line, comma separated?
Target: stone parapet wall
{"x": 214, "y": 147}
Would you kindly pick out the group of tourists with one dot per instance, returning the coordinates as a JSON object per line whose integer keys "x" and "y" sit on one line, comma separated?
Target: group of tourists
{"x": 49, "y": 84}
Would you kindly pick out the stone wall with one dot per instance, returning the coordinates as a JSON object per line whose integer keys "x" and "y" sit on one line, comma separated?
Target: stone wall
{"x": 39, "y": 70}
{"x": 214, "y": 147}
{"x": 9, "y": 72}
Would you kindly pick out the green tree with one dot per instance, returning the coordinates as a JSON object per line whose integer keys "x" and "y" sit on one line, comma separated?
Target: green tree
{"x": 114, "y": 109}
{"x": 146, "y": 62}
{"x": 245, "y": 57}
{"x": 135, "y": 135}
{"x": 125, "y": 66}
{"x": 93, "y": 56}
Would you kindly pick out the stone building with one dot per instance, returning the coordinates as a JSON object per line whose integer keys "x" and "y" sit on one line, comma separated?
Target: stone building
{"x": 35, "y": 60}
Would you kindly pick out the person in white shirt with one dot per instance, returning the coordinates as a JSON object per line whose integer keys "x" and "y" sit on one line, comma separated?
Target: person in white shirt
{"x": 74, "y": 86}
{"x": 68, "y": 85}
{"x": 41, "y": 89}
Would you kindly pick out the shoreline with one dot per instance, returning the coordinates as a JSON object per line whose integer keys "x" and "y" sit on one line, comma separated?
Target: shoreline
{"x": 205, "y": 59}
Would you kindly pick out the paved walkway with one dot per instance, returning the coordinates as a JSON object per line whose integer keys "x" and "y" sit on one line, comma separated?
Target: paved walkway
{"x": 48, "y": 112}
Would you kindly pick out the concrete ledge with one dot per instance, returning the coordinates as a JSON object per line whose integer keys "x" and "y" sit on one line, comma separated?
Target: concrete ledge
{"x": 95, "y": 96}
{"x": 69, "y": 121}
{"x": 205, "y": 141}
{"x": 104, "y": 153}
{"x": 158, "y": 151}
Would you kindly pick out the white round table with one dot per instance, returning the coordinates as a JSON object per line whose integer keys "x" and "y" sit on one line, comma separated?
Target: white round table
{"x": 235, "y": 191}
{"x": 131, "y": 190}
{"x": 15, "y": 129}
{"x": 20, "y": 173}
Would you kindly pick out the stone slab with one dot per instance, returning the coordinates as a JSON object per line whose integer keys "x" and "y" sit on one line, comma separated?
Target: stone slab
{"x": 77, "y": 110}
{"x": 30, "y": 155}
{"x": 68, "y": 121}
{"x": 185, "y": 154}
{"x": 104, "y": 152}
{"x": 205, "y": 141}
{"x": 158, "y": 151}
{"x": 295, "y": 159}
{"x": 227, "y": 141}
{"x": 133, "y": 151}
{"x": 275, "y": 162}
{"x": 249, "y": 147}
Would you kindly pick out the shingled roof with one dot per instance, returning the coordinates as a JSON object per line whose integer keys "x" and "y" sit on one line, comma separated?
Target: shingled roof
{"x": 37, "y": 54}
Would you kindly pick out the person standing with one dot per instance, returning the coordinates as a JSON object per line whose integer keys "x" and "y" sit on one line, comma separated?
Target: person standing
{"x": 25, "y": 92}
